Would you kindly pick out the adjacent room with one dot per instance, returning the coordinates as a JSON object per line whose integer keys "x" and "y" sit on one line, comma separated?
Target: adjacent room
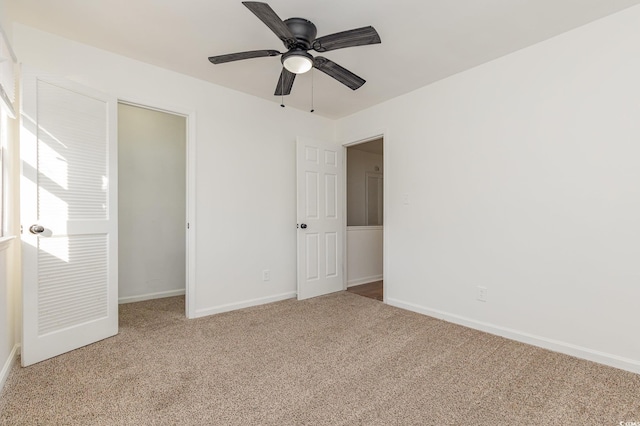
{"x": 192, "y": 192}
{"x": 365, "y": 212}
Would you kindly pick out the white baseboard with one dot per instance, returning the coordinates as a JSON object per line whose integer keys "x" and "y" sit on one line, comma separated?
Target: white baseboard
{"x": 244, "y": 304}
{"x": 542, "y": 342}
{"x": 365, "y": 280}
{"x": 150, "y": 296}
{"x": 8, "y": 365}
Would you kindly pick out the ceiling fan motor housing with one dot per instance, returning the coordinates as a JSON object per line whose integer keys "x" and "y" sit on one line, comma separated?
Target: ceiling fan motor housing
{"x": 299, "y": 36}
{"x": 303, "y": 30}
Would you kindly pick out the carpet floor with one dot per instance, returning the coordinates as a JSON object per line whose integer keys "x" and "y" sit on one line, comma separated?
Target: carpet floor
{"x": 339, "y": 359}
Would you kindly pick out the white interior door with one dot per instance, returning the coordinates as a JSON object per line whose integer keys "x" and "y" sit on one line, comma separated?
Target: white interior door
{"x": 320, "y": 229}
{"x": 69, "y": 216}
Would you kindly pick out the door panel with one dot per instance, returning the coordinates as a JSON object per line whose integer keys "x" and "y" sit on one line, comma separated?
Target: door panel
{"x": 331, "y": 251}
{"x": 331, "y": 195}
{"x": 320, "y": 244}
{"x": 68, "y": 187}
{"x": 73, "y": 277}
{"x": 312, "y": 256}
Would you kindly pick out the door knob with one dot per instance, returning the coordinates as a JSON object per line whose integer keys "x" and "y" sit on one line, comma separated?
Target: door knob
{"x": 303, "y": 225}
{"x": 36, "y": 229}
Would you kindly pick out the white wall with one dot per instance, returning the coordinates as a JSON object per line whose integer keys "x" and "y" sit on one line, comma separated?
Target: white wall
{"x": 6, "y": 331}
{"x": 8, "y": 337}
{"x": 9, "y": 249}
{"x": 522, "y": 176}
{"x": 243, "y": 225}
{"x": 364, "y": 254}
{"x": 10, "y": 273}
{"x": 5, "y": 21}
{"x": 9, "y": 253}
{"x": 358, "y": 164}
{"x": 151, "y": 203}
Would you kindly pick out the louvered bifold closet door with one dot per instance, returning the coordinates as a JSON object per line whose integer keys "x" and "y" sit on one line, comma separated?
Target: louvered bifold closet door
{"x": 69, "y": 190}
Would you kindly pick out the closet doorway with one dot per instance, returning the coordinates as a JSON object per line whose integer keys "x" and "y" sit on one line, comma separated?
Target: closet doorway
{"x": 365, "y": 218}
{"x": 152, "y": 203}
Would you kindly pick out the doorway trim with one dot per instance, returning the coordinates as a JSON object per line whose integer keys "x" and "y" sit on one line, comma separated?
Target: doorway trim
{"x": 190, "y": 234}
{"x": 353, "y": 142}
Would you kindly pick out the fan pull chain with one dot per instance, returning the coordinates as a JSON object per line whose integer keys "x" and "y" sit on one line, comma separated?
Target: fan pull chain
{"x": 282, "y": 88}
{"x": 312, "y": 91}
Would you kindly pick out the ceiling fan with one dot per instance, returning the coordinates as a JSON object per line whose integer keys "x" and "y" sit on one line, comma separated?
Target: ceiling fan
{"x": 299, "y": 36}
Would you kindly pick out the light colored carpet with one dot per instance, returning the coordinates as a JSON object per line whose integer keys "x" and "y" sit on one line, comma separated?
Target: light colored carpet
{"x": 340, "y": 359}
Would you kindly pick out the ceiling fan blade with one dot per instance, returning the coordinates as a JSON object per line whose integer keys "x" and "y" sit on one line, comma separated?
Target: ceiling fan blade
{"x": 285, "y": 83}
{"x": 264, "y": 12}
{"x": 358, "y": 37}
{"x": 341, "y": 74}
{"x": 221, "y": 59}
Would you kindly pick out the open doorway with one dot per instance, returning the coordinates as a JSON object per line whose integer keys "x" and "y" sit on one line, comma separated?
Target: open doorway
{"x": 152, "y": 200}
{"x": 365, "y": 209}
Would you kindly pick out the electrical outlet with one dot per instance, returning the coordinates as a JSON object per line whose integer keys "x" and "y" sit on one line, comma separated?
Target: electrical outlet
{"x": 266, "y": 275}
{"x": 482, "y": 294}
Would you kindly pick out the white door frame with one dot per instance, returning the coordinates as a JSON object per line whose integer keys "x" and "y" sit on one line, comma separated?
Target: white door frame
{"x": 190, "y": 242}
{"x": 381, "y": 135}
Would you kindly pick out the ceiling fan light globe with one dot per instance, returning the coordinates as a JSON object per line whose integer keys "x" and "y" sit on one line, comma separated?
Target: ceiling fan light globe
{"x": 297, "y": 64}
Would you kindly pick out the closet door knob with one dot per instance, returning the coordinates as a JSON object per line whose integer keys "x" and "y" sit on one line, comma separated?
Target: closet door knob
{"x": 36, "y": 229}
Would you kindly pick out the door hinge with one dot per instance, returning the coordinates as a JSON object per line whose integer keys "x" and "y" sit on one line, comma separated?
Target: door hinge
{"x": 187, "y": 225}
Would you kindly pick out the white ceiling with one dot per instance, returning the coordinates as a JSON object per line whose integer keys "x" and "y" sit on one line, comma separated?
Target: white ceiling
{"x": 422, "y": 41}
